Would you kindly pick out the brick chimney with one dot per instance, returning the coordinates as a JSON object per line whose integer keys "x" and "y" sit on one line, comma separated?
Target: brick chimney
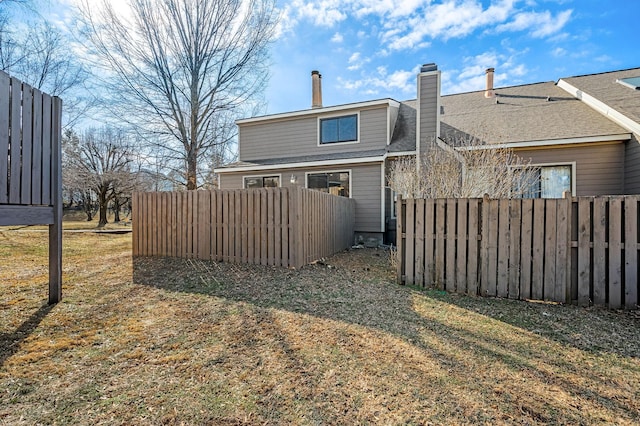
{"x": 316, "y": 89}
{"x": 489, "y": 93}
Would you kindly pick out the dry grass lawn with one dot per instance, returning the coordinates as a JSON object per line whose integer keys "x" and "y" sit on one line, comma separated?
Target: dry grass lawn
{"x": 168, "y": 341}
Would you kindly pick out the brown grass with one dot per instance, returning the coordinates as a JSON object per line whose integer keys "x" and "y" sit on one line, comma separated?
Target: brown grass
{"x": 169, "y": 341}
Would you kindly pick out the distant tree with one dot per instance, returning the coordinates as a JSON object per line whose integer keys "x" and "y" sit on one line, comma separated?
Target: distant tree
{"x": 178, "y": 69}
{"x": 100, "y": 163}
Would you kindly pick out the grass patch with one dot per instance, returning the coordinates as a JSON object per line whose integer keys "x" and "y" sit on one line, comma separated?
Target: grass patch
{"x": 184, "y": 341}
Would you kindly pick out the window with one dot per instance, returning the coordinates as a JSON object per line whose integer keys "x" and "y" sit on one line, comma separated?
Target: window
{"x": 339, "y": 129}
{"x": 261, "y": 182}
{"x": 632, "y": 82}
{"x": 552, "y": 182}
{"x": 336, "y": 183}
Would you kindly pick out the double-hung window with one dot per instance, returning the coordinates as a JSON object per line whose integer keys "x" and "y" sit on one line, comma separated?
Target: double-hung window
{"x": 261, "y": 182}
{"x": 339, "y": 129}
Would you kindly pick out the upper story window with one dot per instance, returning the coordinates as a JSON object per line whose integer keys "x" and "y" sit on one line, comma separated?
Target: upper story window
{"x": 339, "y": 129}
{"x": 261, "y": 182}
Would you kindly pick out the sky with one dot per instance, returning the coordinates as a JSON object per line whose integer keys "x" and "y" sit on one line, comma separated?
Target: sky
{"x": 373, "y": 49}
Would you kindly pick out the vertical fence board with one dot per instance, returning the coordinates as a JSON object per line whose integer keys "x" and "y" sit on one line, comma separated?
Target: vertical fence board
{"x": 5, "y": 107}
{"x": 492, "y": 253}
{"x": 429, "y": 243}
{"x": 286, "y": 260}
{"x": 450, "y": 250}
{"x": 584, "y": 250}
{"x": 615, "y": 252}
{"x": 461, "y": 249}
{"x": 599, "y": 254}
{"x": 525, "y": 249}
{"x": 630, "y": 251}
{"x": 36, "y": 163}
{"x": 515, "y": 247}
{"x": 47, "y": 148}
{"x": 503, "y": 249}
{"x": 484, "y": 246}
{"x": 15, "y": 142}
{"x": 563, "y": 251}
{"x": 537, "y": 264}
{"x": 409, "y": 240}
{"x": 472, "y": 258}
{"x": 550, "y": 250}
{"x": 439, "y": 243}
{"x": 27, "y": 144}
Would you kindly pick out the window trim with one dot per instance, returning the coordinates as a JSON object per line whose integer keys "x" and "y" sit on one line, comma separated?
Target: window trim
{"x": 315, "y": 172}
{"x": 330, "y": 116}
{"x": 245, "y": 177}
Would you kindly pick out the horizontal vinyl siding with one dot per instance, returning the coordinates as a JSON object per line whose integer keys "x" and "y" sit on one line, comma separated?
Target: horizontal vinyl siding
{"x": 632, "y": 166}
{"x": 428, "y": 109}
{"x": 365, "y": 189}
{"x": 299, "y": 136}
{"x": 599, "y": 168}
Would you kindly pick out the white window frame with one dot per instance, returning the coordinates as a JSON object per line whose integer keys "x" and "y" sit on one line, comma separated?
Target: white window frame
{"x": 245, "y": 177}
{"x": 565, "y": 163}
{"x": 343, "y": 114}
{"x": 315, "y": 172}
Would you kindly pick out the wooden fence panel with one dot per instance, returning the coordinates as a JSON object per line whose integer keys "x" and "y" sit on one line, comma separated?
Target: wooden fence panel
{"x": 582, "y": 250}
{"x": 262, "y": 226}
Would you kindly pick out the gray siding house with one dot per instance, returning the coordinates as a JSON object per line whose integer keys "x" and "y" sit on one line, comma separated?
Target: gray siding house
{"x": 342, "y": 150}
{"x": 582, "y": 132}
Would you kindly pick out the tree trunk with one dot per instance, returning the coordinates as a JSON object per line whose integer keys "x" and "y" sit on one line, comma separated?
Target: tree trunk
{"x": 116, "y": 209}
{"x": 103, "y": 202}
{"x": 192, "y": 159}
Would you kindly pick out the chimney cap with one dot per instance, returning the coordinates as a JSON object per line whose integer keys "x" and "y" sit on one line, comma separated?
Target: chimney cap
{"x": 429, "y": 67}
{"x": 490, "y": 70}
{"x": 315, "y": 72}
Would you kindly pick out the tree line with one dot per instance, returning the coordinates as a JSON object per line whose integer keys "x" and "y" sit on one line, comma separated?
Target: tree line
{"x": 151, "y": 89}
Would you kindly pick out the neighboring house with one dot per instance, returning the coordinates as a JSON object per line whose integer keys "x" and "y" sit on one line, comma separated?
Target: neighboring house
{"x": 582, "y": 132}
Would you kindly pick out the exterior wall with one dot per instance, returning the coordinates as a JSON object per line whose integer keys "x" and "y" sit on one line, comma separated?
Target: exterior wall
{"x": 599, "y": 167}
{"x": 366, "y": 189}
{"x": 428, "y": 108}
{"x": 285, "y": 138}
{"x": 632, "y": 166}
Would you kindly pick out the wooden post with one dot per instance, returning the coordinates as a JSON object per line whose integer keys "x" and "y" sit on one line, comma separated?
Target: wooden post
{"x": 55, "y": 229}
{"x": 400, "y": 260}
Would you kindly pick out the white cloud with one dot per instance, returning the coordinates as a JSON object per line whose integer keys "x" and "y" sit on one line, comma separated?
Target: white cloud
{"x": 472, "y": 77}
{"x": 541, "y": 24}
{"x": 559, "y": 52}
{"x": 400, "y": 80}
{"x": 337, "y": 38}
{"x": 323, "y": 13}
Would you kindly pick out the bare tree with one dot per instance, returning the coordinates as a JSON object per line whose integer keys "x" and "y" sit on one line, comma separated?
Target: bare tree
{"x": 464, "y": 168}
{"x": 100, "y": 161}
{"x": 40, "y": 56}
{"x": 174, "y": 66}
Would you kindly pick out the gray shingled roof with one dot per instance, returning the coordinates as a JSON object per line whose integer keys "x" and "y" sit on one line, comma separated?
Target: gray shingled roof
{"x": 532, "y": 112}
{"x": 404, "y": 132}
{"x": 604, "y": 87}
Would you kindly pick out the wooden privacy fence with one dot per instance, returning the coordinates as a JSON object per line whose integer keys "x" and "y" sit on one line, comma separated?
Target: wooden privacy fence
{"x": 582, "y": 250}
{"x": 275, "y": 226}
{"x": 30, "y": 166}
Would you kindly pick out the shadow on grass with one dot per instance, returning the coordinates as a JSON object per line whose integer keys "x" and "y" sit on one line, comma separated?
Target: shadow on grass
{"x": 10, "y": 342}
{"x": 511, "y": 348}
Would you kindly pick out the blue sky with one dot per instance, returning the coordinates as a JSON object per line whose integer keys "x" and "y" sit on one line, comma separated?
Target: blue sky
{"x": 372, "y": 49}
